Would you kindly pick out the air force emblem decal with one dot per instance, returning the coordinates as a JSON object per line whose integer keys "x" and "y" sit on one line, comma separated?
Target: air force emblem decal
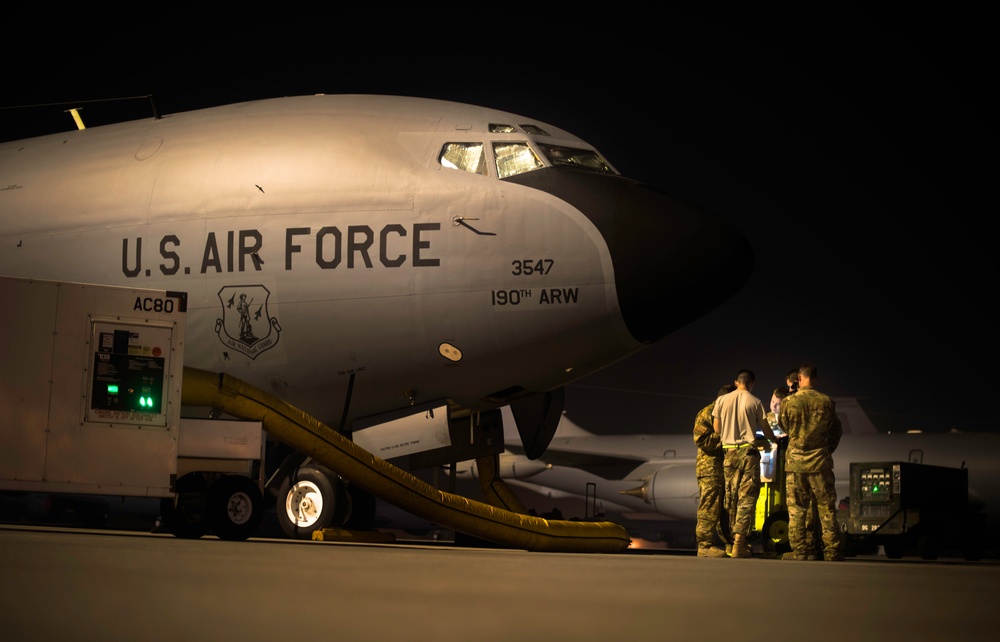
{"x": 246, "y": 325}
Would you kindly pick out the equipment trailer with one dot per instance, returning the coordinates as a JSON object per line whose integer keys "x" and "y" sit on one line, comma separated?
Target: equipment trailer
{"x": 900, "y": 505}
{"x": 90, "y": 406}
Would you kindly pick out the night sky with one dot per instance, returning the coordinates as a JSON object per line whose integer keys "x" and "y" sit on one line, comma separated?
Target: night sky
{"x": 854, "y": 149}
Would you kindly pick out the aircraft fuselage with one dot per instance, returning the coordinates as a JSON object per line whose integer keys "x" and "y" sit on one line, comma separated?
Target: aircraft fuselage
{"x": 332, "y": 257}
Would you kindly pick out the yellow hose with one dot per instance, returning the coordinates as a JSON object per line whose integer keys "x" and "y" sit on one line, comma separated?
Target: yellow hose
{"x": 394, "y": 485}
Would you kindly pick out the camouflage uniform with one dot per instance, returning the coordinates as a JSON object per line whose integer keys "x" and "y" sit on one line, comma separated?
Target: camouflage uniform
{"x": 741, "y": 468}
{"x": 814, "y": 527}
{"x": 810, "y": 419}
{"x": 813, "y": 532}
{"x": 740, "y": 413}
{"x": 711, "y": 485}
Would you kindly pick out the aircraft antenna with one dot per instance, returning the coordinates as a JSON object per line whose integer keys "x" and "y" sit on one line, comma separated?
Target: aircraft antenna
{"x": 75, "y": 108}
{"x": 152, "y": 104}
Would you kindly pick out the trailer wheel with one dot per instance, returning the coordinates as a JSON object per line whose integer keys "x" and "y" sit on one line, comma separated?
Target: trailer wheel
{"x": 894, "y": 548}
{"x": 973, "y": 539}
{"x": 311, "y": 499}
{"x": 775, "y": 533}
{"x": 930, "y": 543}
{"x": 184, "y": 515}
{"x": 235, "y": 507}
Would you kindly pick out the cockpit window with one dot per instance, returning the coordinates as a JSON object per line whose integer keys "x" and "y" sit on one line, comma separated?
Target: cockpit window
{"x": 586, "y": 159}
{"x": 534, "y": 129}
{"x": 469, "y": 157}
{"x": 496, "y": 128}
{"x": 518, "y": 157}
{"x": 515, "y": 158}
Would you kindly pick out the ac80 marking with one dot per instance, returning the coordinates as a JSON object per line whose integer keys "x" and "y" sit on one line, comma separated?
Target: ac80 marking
{"x": 149, "y": 304}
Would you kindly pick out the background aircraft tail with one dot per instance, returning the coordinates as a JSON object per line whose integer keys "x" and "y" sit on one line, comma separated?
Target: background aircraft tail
{"x": 853, "y": 417}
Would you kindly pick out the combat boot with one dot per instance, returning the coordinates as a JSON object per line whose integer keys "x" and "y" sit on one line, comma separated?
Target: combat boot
{"x": 741, "y": 548}
{"x": 836, "y": 554}
{"x": 711, "y": 551}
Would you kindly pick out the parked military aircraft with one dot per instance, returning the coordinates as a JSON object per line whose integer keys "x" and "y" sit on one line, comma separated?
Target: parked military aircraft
{"x": 369, "y": 258}
{"x": 647, "y": 481}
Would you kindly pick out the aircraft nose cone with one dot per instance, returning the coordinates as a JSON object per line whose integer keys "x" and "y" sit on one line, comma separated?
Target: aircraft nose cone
{"x": 673, "y": 262}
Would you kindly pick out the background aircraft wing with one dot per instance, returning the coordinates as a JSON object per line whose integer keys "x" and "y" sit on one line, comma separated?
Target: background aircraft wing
{"x": 604, "y": 466}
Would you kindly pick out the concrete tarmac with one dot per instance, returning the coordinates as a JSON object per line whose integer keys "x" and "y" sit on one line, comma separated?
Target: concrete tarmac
{"x": 82, "y": 585}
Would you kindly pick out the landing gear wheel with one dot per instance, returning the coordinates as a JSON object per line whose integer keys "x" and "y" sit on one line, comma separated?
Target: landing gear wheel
{"x": 234, "y": 507}
{"x": 311, "y": 499}
{"x": 184, "y": 515}
{"x": 775, "y": 533}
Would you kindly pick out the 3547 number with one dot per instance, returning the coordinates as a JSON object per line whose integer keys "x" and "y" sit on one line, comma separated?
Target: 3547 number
{"x": 527, "y": 267}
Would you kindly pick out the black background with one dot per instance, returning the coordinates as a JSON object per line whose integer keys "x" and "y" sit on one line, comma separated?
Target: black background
{"x": 854, "y": 148}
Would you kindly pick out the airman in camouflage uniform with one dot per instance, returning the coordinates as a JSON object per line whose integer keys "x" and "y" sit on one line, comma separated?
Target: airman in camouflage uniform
{"x": 814, "y": 431}
{"x": 813, "y": 531}
{"x": 711, "y": 483}
{"x": 736, "y": 417}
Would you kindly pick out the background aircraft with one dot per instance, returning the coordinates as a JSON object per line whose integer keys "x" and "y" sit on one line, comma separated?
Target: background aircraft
{"x": 370, "y": 258}
{"x": 583, "y": 474}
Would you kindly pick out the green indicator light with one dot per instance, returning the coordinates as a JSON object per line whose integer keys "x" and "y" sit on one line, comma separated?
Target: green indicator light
{"x": 875, "y": 488}
{"x": 145, "y": 399}
{"x": 112, "y": 389}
